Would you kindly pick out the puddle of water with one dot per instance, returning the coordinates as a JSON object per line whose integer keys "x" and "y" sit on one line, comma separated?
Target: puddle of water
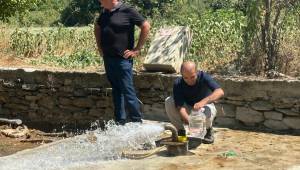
{"x": 92, "y": 147}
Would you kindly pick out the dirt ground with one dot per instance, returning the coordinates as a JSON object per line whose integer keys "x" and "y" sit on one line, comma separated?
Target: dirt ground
{"x": 252, "y": 150}
{"x": 10, "y": 145}
{"x": 233, "y": 149}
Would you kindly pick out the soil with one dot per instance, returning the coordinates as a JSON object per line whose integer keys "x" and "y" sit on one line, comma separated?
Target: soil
{"x": 233, "y": 149}
{"x": 251, "y": 150}
{"x": 9, "y": 145}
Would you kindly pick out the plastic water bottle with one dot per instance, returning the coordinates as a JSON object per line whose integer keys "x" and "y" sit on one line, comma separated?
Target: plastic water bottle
{"x": 197, "y": 126}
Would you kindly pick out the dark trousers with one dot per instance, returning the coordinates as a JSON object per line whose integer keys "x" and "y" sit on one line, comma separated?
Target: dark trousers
{"x": 119, "y": 74}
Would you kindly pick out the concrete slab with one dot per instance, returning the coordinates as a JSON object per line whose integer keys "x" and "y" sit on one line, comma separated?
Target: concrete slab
{"x": 168, "y": 49}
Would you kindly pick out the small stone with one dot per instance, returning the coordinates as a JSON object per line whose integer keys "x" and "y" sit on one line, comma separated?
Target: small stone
{"x": 292, "y": 122}
{"x": 248, "y": 115}
{"x": 261, "y": 105}
{"x": 275, "y": 124}
{"x": 273, "y": 115}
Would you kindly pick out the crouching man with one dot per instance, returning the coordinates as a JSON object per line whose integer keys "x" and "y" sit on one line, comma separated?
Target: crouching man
{"x": 194, "y": 90}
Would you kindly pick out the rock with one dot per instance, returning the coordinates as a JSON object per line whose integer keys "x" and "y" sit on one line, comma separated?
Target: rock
{"x": 83, "y": 102}
{"x": 285, "y": 102}
{"x": 225, "y": 121}
{"x": 296, "y": 109}
{"x": 32, "y": 98}
{"x": 292, "y": 122}
{"x": 235, "y": 98}
{"x": 273, "y": 115}
{"x": 4, "y": 112}
{"x": 262, "y": 105}
{"x": 248, "y": 115}
{"x": 32, "y": 115}
{"x": 104, "y": 102}
{"x": 147, "y": 108}
{"x": 46, "y": 102}
{"x": 235, "y": 102}
{"x": 3, "y": 99}
{"x": 80, "y": 93}
{"x": 288, "y": 112}
{"x": 155, "y": 112}
{"x": 93, "y": 91}
{"x": 68, "y": 89}
{"x": 168, "y": 49}
{"x": 30, "y": 87}
{"x": 80, "y": 115}
{"x": 14, "y": 106}
{"x": 251, "y": 124}
{"x": 68, "y": 82}
{"x": 109, "y": 111}
{"x": 96, "y": 112}
{"x": 70, "y": 109}
{"x": 65, "y": 101}
{"x": 9, "y": 84}
{"x": 276, "y": 125}
{"x": 225, "y": 110}
{"x": 33, "y": 105}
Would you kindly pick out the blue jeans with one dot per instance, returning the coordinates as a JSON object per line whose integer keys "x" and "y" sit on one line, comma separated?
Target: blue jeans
{"x": 119, "y": 74}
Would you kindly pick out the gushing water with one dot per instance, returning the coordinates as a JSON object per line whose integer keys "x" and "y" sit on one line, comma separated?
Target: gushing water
{"x": 89, "y": 148}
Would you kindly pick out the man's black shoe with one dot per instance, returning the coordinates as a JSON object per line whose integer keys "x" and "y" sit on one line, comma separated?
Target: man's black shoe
{"x": 209, "y": 137}
{"x": 121, "y": 122}
{"x": 194, "y": 142}
{"x": 137, "y": 120}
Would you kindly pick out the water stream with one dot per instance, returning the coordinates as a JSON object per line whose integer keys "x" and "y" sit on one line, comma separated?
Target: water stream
{"x": 94, "y": 146}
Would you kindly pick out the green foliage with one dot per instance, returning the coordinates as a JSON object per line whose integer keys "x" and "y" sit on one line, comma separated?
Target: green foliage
{"x": 266, "y": 26}
{"x": 44, "y": 13}
{"x": 79, "y": 12}
{"x": 217, "y": 35}
{"x": 11, "y": 7}
{"x": 225, "y": 33}
{"x": 219, "y": 4}
{"x": 78, "y": 59}
{"x": 153, "y": 7}
{"x": 34, "y": 42}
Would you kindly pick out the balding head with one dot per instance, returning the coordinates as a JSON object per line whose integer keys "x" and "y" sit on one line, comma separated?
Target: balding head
{"x": 188, "y": 66}
{"x": 189, "y": 72}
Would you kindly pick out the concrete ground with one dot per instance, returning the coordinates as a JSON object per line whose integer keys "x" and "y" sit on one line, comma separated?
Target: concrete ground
{"x": 233, "y": 149}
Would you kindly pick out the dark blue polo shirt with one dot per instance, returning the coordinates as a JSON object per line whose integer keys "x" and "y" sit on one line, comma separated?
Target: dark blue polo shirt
{"x": 183, "y": 93}
{"x": 117, "y": 29}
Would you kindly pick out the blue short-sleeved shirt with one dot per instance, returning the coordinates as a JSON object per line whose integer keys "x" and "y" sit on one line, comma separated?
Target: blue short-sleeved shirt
{"x": 183, "y": 93}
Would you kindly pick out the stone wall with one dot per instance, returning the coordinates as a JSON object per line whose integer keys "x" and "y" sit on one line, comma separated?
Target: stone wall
{"x": 47, "y": 99}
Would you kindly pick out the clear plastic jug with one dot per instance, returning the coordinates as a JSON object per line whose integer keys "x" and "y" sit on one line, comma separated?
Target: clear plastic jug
{"x": 197, "y": 127}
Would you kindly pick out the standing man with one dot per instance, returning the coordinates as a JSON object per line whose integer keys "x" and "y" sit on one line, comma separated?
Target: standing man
{"x": 194, "y": 90}
{"x": 114, "y": 32}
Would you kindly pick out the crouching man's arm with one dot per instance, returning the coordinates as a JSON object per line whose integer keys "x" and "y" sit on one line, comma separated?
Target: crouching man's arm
{"x": 214, "y": 96}
{"x": 184, "y": 115}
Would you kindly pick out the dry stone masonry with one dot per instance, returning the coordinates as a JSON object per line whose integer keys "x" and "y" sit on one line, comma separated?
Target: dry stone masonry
{"x": 54, "y": 99}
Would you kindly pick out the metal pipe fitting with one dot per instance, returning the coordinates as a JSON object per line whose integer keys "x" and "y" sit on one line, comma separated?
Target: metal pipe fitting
{"x": 174, "y": 132}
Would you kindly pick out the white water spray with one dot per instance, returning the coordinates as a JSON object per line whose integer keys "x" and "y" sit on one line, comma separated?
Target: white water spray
{"x": 89, "y": 148}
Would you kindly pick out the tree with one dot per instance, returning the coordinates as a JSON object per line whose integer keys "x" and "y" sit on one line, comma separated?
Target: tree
{"x": 264, "y": 30}
{"x": 79, "y": 12}
{"x": 151, "y": 7}
{"x": 11, "y": 7}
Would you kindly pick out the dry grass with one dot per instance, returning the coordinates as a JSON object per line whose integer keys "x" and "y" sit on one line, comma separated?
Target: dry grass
{"x": 65, "y": 42}
{"x": 290, "y": 53}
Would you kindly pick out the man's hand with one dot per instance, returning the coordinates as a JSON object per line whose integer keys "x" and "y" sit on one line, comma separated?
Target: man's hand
{"x": 216, "y": 94}
{"x": 199, "y": 105}
{"x": 145, "y": 28}
{"x": 131, "y": 53}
